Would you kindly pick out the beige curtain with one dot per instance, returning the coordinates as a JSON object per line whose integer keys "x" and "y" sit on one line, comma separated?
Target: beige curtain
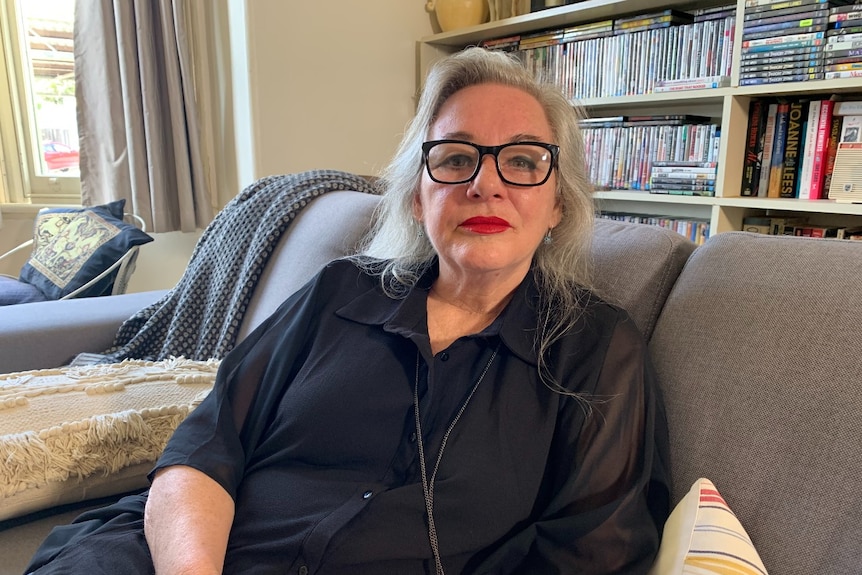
{"x": 137, "y": 117}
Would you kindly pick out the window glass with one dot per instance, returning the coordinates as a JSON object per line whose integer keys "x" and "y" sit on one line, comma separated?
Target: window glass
{"x": 49, "y": 66}
{"x": 38, "y": 116}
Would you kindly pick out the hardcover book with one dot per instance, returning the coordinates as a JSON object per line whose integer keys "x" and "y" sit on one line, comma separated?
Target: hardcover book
{"x": 753, "y": 148}
{"x": 792, "y": 149}
{"x": 777, "y": 161}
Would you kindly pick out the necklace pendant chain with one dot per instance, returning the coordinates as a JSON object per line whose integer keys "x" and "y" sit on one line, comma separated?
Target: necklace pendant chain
{"x": 428, "y": 485}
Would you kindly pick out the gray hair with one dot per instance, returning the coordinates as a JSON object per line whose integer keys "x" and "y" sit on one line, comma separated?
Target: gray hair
{"x": 398, "y": 251}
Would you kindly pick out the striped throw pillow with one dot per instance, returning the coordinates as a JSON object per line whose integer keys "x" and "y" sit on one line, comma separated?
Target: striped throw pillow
{"x": 703, "y": 536}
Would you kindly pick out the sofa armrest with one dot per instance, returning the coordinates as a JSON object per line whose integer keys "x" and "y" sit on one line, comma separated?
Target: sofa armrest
{"x": 49, "y": 334}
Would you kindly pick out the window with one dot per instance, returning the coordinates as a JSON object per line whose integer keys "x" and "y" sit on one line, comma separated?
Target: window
{"x": 38, "y": 128}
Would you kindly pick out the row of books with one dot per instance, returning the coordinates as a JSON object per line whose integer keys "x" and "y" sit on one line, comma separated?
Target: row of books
{"x": 798, "y": 40}
{"x": 792, "y": 145}
{"x": 696, "y": 230}
{"x": 623, "y": 151}
{"x": 798, "y": 226}
{"x": 664, "y": 51}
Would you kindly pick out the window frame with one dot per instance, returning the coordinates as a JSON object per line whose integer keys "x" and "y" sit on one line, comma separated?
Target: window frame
{"x": 20, "y": 146}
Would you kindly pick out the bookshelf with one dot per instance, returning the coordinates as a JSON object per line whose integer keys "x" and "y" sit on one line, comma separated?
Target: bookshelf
{"x": 728, "y": 106}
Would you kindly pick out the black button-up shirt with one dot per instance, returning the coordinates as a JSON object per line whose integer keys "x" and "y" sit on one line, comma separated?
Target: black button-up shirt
{"x": 310, "y": 427}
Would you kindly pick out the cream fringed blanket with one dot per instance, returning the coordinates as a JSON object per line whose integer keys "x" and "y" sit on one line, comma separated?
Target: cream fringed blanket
{"x": 76, "y": 433}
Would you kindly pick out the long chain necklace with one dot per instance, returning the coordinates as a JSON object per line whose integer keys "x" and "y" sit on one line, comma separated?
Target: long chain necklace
{"x": 428, "y": 486}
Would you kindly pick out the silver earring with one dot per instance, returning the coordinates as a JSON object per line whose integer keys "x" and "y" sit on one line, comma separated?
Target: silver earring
{"x": 548, "y": 240}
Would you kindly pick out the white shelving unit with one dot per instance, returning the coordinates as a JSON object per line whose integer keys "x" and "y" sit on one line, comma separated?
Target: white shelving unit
{"x": 727, "y": 209}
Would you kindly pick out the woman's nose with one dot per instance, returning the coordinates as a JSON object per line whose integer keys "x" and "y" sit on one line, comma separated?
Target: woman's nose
{"x": 487, "y": 181}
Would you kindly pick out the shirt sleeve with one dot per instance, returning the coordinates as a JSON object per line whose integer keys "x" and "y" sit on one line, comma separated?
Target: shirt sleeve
{"x": 606, "y": 480}
{"x": 217, "y": 437}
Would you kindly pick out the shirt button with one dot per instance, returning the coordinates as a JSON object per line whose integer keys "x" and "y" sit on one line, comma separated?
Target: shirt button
{"x": 412, "y": 437}
{"x": 367, "y": 494}
{"x": 303, "y": 570}
{"x": 443, "y": 356}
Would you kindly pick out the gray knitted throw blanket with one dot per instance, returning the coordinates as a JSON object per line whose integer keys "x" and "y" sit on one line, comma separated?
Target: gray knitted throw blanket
{"x": 201, "y": 316}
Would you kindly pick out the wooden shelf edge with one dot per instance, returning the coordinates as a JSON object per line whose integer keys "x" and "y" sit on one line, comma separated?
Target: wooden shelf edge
{"x": 654, "y": 198}
{"x": 793, "y": 205}
{"x": 783, "y": 204}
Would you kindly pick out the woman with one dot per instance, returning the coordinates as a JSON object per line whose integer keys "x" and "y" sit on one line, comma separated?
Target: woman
{"x": 451, "y": 400}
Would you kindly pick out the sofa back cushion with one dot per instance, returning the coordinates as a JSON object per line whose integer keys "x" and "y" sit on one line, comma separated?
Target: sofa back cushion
{"x": 636, "y": 265}
{"x": 756, "y": 353}
{"x": 326, "y": 229}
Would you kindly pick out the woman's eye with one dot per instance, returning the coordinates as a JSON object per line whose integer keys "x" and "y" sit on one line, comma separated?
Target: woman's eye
{"x": 521, "y": 163}
{"x": 458, "y": 161}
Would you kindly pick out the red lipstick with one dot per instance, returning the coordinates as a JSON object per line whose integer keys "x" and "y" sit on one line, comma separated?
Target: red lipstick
{"x": 486, "y": 225}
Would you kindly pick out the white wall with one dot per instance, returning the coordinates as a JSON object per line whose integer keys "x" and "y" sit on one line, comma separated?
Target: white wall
{"x": 332, "y": 81}
{"x": 323, "y": 84}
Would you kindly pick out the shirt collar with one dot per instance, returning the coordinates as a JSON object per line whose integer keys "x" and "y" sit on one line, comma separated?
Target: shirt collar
{"x": 516, "y": 325}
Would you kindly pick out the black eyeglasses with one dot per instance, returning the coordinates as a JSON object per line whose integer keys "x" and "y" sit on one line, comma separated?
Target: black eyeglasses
{"x": 518, "y": 163}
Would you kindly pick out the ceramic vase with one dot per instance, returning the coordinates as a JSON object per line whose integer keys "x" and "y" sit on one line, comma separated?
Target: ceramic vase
{"x": 454, "y": 14}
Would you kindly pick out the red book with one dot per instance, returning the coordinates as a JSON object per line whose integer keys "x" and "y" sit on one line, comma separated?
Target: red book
{"x": 821, "y": 147}
{"x": 831, "y": 151}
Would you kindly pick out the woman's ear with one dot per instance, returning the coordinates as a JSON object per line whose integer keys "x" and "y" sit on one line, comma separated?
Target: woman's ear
{"x": 557, "y": 216}
{"x": 417, "y": 206}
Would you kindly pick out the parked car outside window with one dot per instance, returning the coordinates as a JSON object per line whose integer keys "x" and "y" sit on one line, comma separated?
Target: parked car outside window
{"x": 60, "y": 157}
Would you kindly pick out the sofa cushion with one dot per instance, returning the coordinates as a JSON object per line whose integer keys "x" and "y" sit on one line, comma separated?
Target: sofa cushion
{"x": 328, "y": 228}
{"x": 635, "y": 266}
{"x": 76, "y": 433}
{"x": 702, "y": 535}
{"x": 13, "y": 292}
{"x": 756, "y": 353}
{"x": 73, "y": 246}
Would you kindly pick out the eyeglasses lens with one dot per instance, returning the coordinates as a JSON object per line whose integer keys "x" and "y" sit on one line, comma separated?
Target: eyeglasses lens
{"x": 519, "y": 164}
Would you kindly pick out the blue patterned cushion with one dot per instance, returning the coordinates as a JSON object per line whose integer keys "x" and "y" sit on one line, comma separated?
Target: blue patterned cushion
{"x": 72, "y": 246}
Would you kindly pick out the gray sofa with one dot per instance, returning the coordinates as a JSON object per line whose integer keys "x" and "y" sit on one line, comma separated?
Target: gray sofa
{"x": 753, "y": 338}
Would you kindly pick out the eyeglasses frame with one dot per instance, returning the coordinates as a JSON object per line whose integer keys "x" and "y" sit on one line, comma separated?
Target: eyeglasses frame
{"x": 494, "y": 151}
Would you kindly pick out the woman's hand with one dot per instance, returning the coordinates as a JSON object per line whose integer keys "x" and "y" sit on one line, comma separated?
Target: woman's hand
{"x": 187, "y": 522}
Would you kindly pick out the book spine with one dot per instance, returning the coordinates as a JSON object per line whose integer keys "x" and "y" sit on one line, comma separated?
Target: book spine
{"x": 695, "y": 165}
{"x": 847, "y": 24}
{"x": 787, "y": 38}
{"x": 751, "y": 163}
{"x": 787, "y": 78}
{"x": 784, "y": 31}
{"x": 812, "y": 124}
{"x": 773, "y": 5}
{"x": 843, "y": 74}
{"x": 789, "y": 170}
{"x": 843, "y": 39}
{"x": 848, "y": 108}
{"x": 664, "y": 186}
{"x": 836, "y": 49}
{"x": 831, "y": 151}
{"x": 788, "y": 45}
{"x": 821, "y": 146}
{"x": 841, "y": 16}
{"x": 773, "y": 73}
{"x": 752, "y": 20}
{"x": 778, "y": 144}
{"x": 856, "y": 65}
{"x": 766, "y": 154}
{"x": 842, "y": 60}
{"x": 772, "y": 66}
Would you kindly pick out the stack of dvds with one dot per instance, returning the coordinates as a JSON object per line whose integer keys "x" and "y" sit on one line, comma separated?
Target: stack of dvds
{"x": 683, "y": 178}
{"x": 782, "y": 40}
{"x": 843, "y": 49}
